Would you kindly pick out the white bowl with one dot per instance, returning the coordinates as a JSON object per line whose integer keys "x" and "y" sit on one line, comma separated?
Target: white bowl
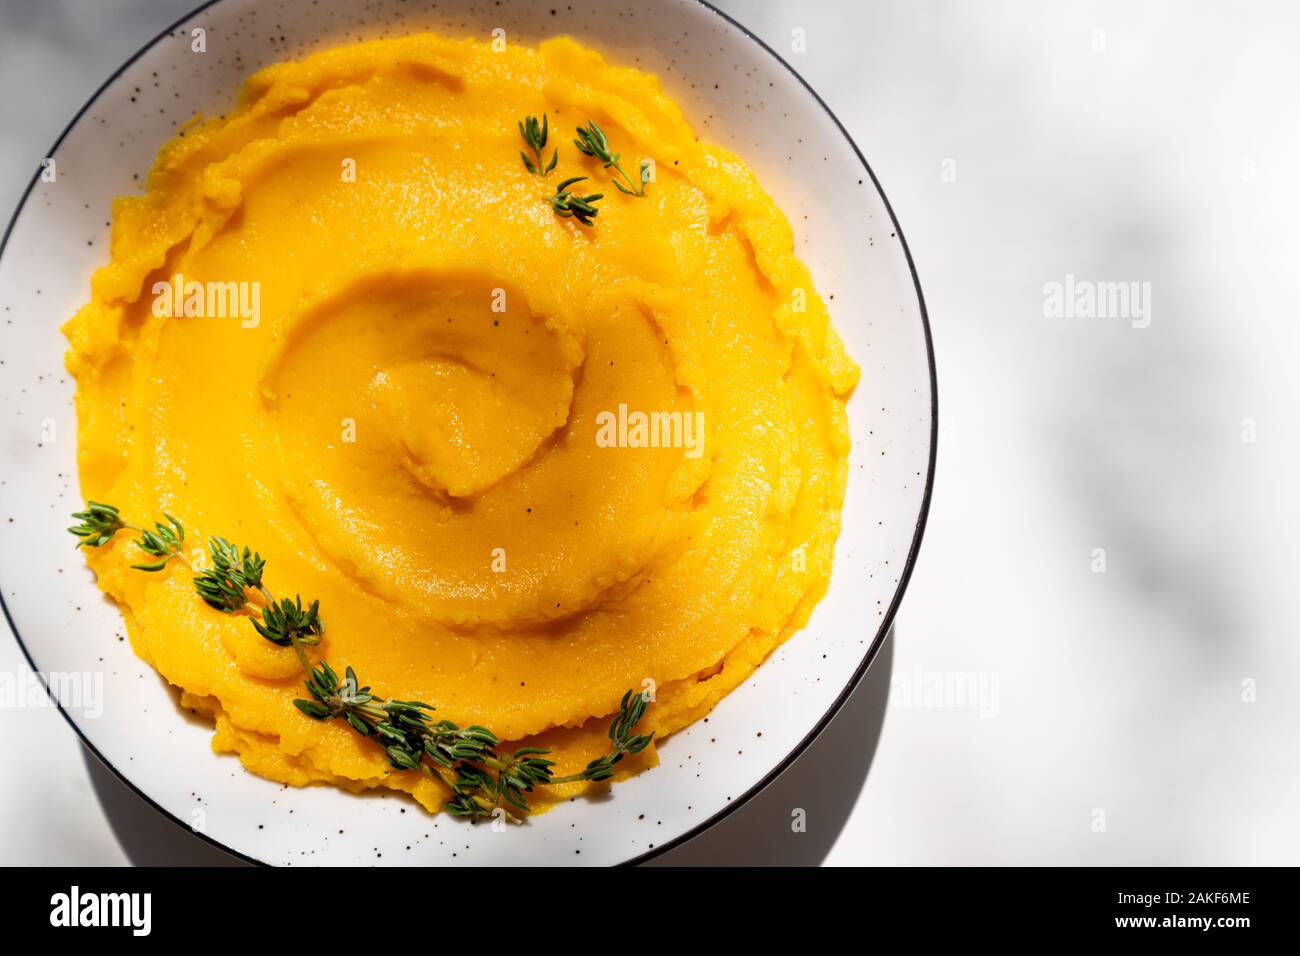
{"x": 738, "y": 93}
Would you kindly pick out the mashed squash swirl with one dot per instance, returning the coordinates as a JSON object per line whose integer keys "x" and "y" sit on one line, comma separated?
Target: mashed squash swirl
{"x": 407, "y": 429}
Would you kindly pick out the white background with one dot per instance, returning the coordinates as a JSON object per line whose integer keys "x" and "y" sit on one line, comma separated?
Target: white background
{"x": 1134, "y": 141}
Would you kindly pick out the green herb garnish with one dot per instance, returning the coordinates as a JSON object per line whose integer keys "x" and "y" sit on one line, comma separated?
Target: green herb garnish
{"x": 581, "y": 208}
{"x": 625, "y": 743}
{"x": 225, "y": 586}
{"x": 163, "y": 543}
{"x": 464, "y": 759}
{"x": 534, "y": 135}
{"x": 591, "y": 141}
{"x": 100, "y": 522}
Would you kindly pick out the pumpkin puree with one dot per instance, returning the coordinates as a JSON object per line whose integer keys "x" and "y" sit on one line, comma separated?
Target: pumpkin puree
{"x": 407, "y": 431}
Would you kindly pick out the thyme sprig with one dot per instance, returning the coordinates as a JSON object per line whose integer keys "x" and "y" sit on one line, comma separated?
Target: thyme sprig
{"x": 100, "y": 522}
{"x": 591, "y": 141}
{"x": 581, "y": 208}
{"x": 164, "y": 543}
{"x": 534, "y": 135}
{"x": 467, "y": 760}
{"x": 290, "y": 624}
{"x": 225, "y": 586}
{"x": 97, "y": 524}
{"x": 623, "y": 742}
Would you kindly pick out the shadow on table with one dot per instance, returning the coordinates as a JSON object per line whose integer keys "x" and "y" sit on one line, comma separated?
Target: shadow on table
{"x": 148, "y": 837}
{"x": 824, "y": 781}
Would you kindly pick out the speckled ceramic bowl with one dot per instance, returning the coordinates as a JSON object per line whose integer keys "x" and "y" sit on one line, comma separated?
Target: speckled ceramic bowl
{"x": 736, "y": 91}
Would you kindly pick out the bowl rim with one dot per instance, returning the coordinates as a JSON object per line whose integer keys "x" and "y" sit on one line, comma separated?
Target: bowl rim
{"x": 886, "y": 623}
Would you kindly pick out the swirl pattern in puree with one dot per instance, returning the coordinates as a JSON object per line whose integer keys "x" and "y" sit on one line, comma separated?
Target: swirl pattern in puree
{"x": 408, "y": 427}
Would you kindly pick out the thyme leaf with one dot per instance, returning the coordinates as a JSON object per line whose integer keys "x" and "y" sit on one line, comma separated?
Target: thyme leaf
{"x": 96, "y": 525}
{"x": 581, "y": 208}
{"x": 164, "y": 543}
{"x": 591, "y": 141}
{"x": 534, "y": 135}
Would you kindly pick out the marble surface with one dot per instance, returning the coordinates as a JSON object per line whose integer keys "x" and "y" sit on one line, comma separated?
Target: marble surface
{"x": 1096, "y": 661}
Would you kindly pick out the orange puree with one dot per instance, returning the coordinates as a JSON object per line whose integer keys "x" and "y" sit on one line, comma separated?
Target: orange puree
{"x": 408, "y": 425}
